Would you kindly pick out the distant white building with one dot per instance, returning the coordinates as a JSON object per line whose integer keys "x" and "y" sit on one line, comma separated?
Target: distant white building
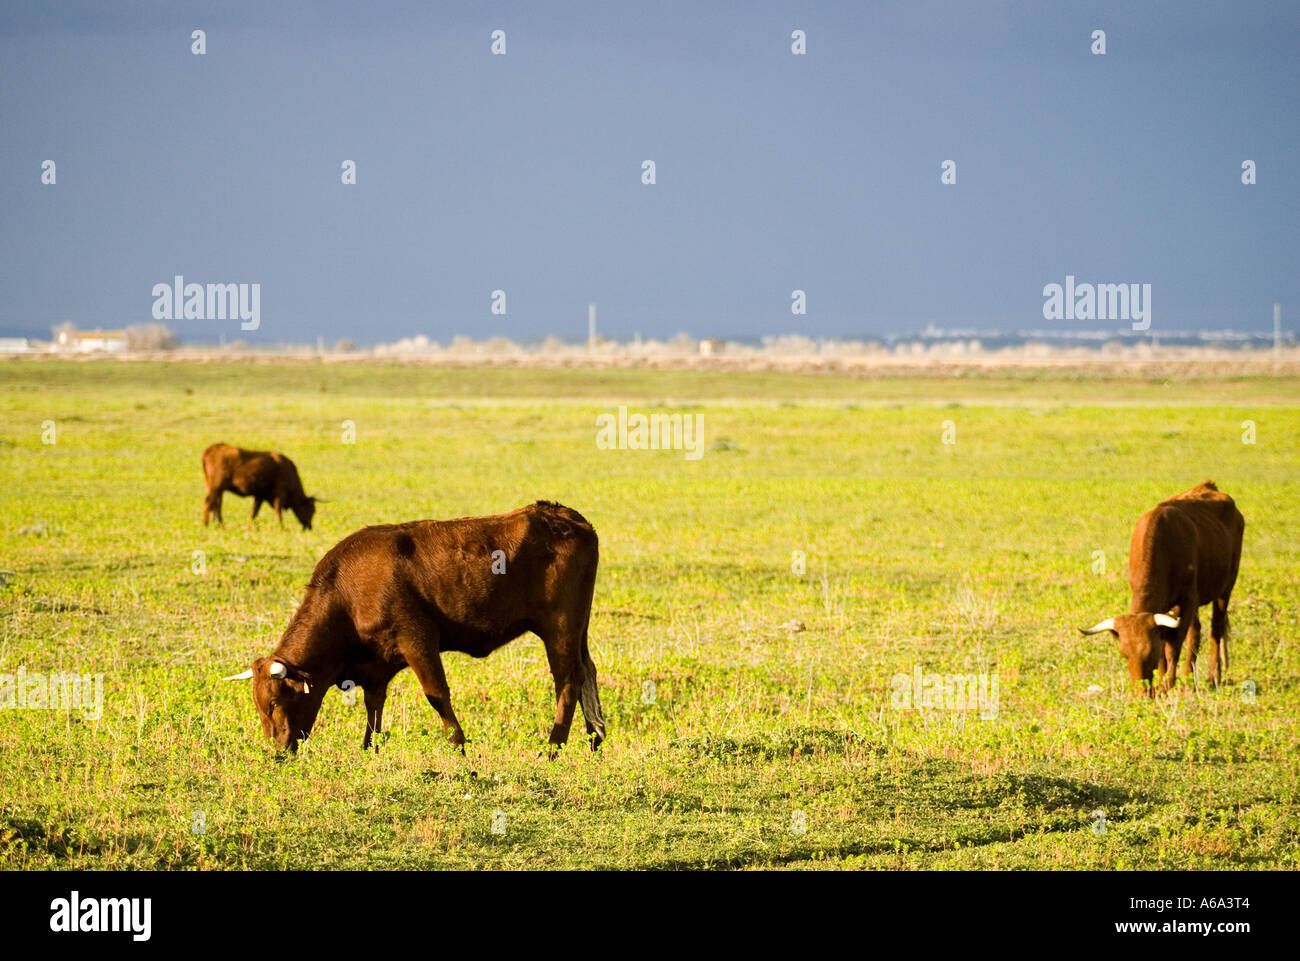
{"x": 14, "y": 345}
{"x": 92, "y": 341}
{"x": 711, "y": 347}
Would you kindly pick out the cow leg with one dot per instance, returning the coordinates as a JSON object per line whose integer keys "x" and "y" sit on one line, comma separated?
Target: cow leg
{"x": 278, "y": 504}
{"x": 1169, "y": 662}
{"x": 423, "y": 658}
{"x": 212, "y": 506}
{"x": 567, "y": 670}
{"x": 1219, "y": 639}
{"x": 1193, "y": 646}
{"x": 1143, "y": 678}
{"x": 1186, "y": 614}
{"x": 257, "y": 506}
{"x": 375, "y": 698}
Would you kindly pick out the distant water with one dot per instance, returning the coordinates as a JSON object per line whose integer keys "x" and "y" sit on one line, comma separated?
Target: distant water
{"x": 993, "y": 340}
{"x": 999, "y": 339}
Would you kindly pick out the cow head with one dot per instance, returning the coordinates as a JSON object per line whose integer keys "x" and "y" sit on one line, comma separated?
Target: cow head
{"x": 287, "y": 701}
{"x": 1142, "y": 639}
{"x": 305, "y": 510}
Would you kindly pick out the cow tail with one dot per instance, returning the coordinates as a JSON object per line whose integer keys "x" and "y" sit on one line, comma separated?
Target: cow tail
{"x": 590, "y": 695}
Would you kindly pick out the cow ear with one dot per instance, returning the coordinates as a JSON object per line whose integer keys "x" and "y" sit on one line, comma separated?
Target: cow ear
{"x": 299, "y": 681}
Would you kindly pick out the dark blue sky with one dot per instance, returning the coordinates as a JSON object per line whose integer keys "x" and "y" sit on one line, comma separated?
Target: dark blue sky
{"x": 523, "y": 172}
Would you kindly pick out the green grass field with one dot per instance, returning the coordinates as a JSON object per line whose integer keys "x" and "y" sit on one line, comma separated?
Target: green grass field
{"x": 735, "y": 738}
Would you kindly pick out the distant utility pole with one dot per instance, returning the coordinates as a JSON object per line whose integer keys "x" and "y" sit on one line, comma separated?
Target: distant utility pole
{"x": 1277, "y": 328}
{"x": 591, "y": 327}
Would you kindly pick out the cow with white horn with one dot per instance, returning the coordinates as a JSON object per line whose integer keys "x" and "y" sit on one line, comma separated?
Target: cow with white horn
{"x": 1184, "y": 553}
{"x": 398, "y": 595}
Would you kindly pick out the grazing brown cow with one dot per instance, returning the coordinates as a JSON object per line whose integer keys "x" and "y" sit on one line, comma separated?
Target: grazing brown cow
{"x": 398, "y": 595}
{"x": 1184, "y": 553}
{"x": 265, "y": 476}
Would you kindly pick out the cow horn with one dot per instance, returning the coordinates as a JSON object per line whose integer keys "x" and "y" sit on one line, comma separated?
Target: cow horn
{"x": 1165, "y": 620}
{"x": 277, "y": 669}
{"x": 240, "y": 677}
{"x": 1107, "y": 625}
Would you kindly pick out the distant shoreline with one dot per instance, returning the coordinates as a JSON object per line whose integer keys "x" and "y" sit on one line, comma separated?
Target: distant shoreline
{"x": 1142, "y": 360}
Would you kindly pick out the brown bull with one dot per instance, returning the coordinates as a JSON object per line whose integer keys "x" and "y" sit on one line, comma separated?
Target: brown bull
{"x": 1184, "y": 553}
{"x": 398, "y": 595}
{"x": 266, "y": 476}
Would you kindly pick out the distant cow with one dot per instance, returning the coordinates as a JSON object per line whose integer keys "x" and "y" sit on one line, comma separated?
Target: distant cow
{"x": 266, "y": 476}
{"x": 1184, "y": 553}
{"x": 398, "y": 595}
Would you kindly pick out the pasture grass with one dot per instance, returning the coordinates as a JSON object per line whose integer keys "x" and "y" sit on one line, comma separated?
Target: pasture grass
{"x": 752, "y": 721}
